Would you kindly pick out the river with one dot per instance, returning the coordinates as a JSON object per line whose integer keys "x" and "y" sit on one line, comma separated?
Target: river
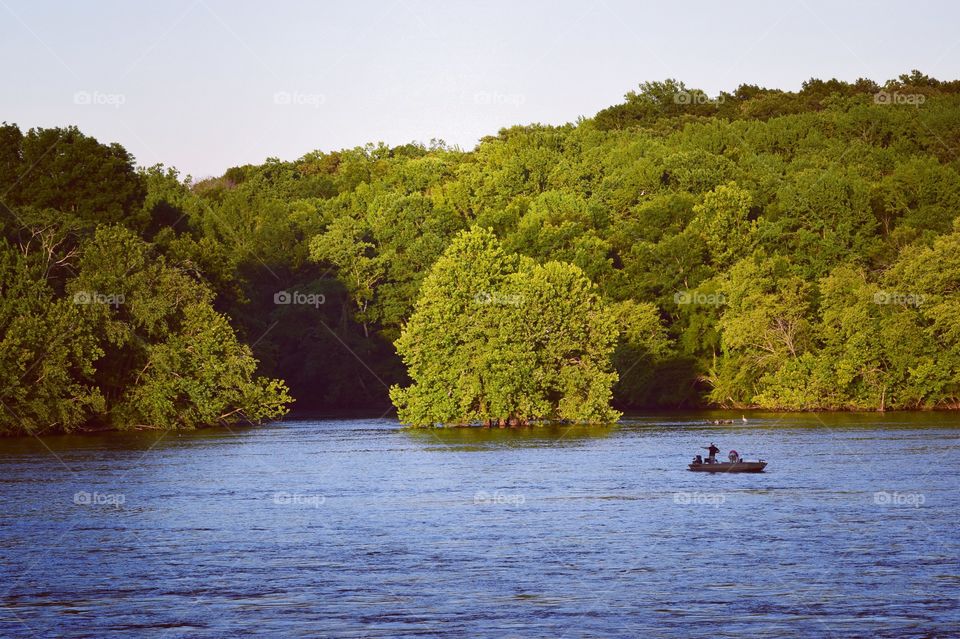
{"x": 357, "y": 528}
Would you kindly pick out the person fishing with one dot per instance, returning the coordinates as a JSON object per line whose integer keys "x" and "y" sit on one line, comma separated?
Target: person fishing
{"x": 712, "y": 450}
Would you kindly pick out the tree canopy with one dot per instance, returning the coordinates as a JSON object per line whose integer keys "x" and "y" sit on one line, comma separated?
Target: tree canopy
{"x": 755, "y": 248}
{"x": 499, "y": 339}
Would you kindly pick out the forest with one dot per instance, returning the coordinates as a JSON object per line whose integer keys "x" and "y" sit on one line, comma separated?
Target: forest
{"x": 784, "y": 250}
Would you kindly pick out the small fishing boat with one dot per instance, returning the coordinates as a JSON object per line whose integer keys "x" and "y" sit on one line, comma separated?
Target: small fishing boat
{"x": 736, "y": 464}
{"x": 729, "y": 467}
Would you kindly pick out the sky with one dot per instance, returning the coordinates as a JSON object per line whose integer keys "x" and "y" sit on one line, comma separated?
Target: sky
{"x": 203, "y": 85}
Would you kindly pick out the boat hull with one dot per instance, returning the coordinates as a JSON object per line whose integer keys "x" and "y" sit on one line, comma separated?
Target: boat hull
{"x": 726, "y": 467}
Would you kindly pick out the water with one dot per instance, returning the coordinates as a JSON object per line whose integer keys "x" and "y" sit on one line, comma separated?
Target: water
{"x": 355, "y": 528}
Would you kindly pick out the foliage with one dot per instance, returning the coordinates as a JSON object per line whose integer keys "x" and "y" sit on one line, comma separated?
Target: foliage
{"x": 499, "y": 339}
{"x": 126, "y": 339}
{"x": 65, "y": 170}
{"x": 47, "y": 354}
{"x": 758, "y": 247}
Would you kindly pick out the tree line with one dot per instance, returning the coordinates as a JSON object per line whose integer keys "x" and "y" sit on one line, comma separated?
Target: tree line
{"x": 777, "y": 249}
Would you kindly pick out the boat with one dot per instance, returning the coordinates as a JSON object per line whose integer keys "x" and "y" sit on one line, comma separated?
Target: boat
{"x": 736, "y": 464}
{"x": 729, "y": 467}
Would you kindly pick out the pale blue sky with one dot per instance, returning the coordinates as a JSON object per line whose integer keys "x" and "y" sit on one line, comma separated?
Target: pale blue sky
{"x": 207, "y": 84}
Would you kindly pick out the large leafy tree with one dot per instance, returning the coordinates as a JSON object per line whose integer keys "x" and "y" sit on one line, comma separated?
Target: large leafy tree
{"x": 499, "y": 339}
{"x": 765, "y": 326}
{"x": 170, "y": 360}
{"x": 202, "y": 375}
{"x": 47, "y": 353}
{"x": 722, "y": 221}
{"x": 63, "y": 169}
{"x": 100, "y": 330}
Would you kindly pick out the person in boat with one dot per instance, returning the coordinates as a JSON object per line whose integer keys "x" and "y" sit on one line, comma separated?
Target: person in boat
{"x": 712, "y": 450}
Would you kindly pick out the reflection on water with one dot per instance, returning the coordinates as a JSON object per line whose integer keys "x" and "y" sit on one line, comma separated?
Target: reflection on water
{"x": 357, "y": 528}
{"x": 478, "y": 438}
{"x": 119, "y": 441}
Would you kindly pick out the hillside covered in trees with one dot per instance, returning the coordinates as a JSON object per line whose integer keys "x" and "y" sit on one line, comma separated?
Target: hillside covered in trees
{"x": 760, "y": 248}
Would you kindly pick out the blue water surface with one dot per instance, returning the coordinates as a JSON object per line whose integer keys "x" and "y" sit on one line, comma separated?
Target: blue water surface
{"x": 358, "y": 528}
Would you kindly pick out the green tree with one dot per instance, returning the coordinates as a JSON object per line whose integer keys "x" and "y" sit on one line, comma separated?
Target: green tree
{"x": 344, "y": 245}
{"x": 642, "y": 346}
{"x": 168, "y": 359}
{"x": 201, "y": 376}
{"x": 495, "y": 339}
{"x": 723, "y": 223}
{"x": 65, "y": 170}
{"x": 766, "y": 323}
{"x": 47, "y": 354}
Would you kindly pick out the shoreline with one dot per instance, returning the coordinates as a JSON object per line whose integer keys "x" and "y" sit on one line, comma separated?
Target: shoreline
{"x": 708, "y": 415}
